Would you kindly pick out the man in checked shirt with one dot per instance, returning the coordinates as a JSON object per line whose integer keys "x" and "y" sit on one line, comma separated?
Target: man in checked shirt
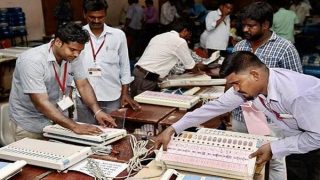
{"x": 272, "y": 50}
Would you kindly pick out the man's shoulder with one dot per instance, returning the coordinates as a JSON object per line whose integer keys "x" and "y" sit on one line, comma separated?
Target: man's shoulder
{"x": 114, "y": 30}
{"x": 241, "y": 45}
{"x": 213, "y": 13}
{"x": 280, "y": 41}
{"x": 35, "y": 54}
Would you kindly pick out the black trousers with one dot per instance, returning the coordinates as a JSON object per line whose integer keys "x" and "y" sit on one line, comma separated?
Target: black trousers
{"x": 140, "y": 84}
{"x": 304, "y": 166}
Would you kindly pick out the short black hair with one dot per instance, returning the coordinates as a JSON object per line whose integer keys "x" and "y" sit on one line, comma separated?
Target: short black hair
{"x": 72, "y": 32}
{"x": 223, "y": 2}
{"x": 148, "y": 2}
{"x": 239, "y": 61}
{"x": 94, "y": 5}
{"x": 258, "y": 11}
{"x": 181, "y": 24}
{"x": 132, "y": 1}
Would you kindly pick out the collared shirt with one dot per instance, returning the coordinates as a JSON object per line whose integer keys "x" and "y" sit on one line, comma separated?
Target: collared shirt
{"x": 163, "y": 52}
{"x": 289, "y": 93}
{"x": 112, "y": 59}
{"x": 276, "y": 52}
{"x": 283, "y": 23}
{"x": 168, "y": 12}
{"x": 135, "y": 14}
{"x": 216, "y": 37}
{"x": 34, "y": 73}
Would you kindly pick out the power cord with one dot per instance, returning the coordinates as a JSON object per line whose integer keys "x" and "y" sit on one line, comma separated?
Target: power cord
{"x": 140, "y": 154}
{"x": 101, "y": 150}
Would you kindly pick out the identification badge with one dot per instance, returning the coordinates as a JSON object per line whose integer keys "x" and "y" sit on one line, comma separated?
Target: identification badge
{"x": 65, "y": 103}
{"x": 96, "y": 71}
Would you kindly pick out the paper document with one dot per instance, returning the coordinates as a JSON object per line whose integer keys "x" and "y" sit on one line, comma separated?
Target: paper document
{"x": 109, "y": 168}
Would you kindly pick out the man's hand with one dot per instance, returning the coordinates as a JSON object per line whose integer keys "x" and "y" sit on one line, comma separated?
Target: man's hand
{"x": 127, "y": 100}
{"x": 263, "y": 154}
{"x": 86, "y": 129}
{"x": 164, "y": 138}
{"x": 105, "y": 119}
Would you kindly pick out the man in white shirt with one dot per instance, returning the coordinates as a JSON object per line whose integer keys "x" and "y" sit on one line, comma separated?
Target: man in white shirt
{"x": 160, "y": 56}
{"x": 167, "y": 14}
{"x": 105, "y": 58}
{"x": 216, "y": 35}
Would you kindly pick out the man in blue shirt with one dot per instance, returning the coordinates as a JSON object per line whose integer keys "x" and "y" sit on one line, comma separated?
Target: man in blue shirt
{"x": 40, "y": 84}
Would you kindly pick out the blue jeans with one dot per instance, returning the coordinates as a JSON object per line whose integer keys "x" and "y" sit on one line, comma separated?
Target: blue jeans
{"x": 85, "y": 115}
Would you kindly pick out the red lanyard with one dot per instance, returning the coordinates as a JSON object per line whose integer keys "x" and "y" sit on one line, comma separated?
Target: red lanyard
{"x": 62, "y": 85}
{"x": 269, "y": 109}
{"x": 94, "y": 54}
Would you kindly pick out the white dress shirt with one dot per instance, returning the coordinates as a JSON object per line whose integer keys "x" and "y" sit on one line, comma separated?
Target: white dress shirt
{"x": 168, "y": 12}
{"x": 135, "y": 13}
{"x": 112, "y": 59}
{"x": 216, "y": 37}
{"x": 293, "y": 96}
{"x": 163, "y": 52}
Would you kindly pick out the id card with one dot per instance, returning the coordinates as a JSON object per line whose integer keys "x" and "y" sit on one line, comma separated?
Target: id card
{"x": 65, "y": 103}
{"x": 95, "y": 71}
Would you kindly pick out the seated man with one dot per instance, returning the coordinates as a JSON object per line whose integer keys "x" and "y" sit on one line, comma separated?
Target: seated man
{"x": 40, "y": 82}
{"x": 160, "y": 56}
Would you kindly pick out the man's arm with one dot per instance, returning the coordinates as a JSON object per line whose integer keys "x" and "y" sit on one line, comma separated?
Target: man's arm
{"x": 127, "y": 100}
{"x": 42, "y": 103}
{"x": 291, "y": 59}
{"x": 308, "y": 123}
{"x": 213, "y": 20}
{"x": 88, "y": 96}
{"x": 227, "y": 102}
{"x": 125, "y": 75}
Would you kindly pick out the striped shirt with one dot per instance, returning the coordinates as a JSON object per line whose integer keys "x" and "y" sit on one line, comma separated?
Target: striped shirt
{"x": 277, "y": 52}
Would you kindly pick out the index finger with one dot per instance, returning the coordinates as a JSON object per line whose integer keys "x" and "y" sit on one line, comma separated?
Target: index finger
{"x": 135, "y": 105}
{"x": 112, "y": 122}
{"x": 254, "y": 154}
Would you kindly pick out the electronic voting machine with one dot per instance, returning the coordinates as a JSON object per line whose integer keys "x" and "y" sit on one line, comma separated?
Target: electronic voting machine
{"x": 166, "y": 99}
{"x": 213, "y": 152}
{"x": 108, "y": 135}
{"x": 53, "y": 155}
{"x": 190, "y": 79}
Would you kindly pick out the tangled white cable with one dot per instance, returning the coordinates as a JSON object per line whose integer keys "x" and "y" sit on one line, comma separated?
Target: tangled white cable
{"x": 140, "y": 154}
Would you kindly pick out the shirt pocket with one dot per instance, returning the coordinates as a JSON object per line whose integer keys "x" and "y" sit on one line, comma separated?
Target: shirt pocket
{"x": 111, "y": 56}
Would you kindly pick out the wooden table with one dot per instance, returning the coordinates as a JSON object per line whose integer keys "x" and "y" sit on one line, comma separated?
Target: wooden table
{"x": 149, "y": 114}
{"x": 178, "y": 114}
{"x": 124, "y": 154}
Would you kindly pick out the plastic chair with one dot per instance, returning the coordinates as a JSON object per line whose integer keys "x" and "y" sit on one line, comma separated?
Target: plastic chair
{"x": 6, "y": 136}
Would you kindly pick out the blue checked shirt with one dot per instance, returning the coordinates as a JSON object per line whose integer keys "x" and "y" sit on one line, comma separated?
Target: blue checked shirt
{"x": 277, "y": 52}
